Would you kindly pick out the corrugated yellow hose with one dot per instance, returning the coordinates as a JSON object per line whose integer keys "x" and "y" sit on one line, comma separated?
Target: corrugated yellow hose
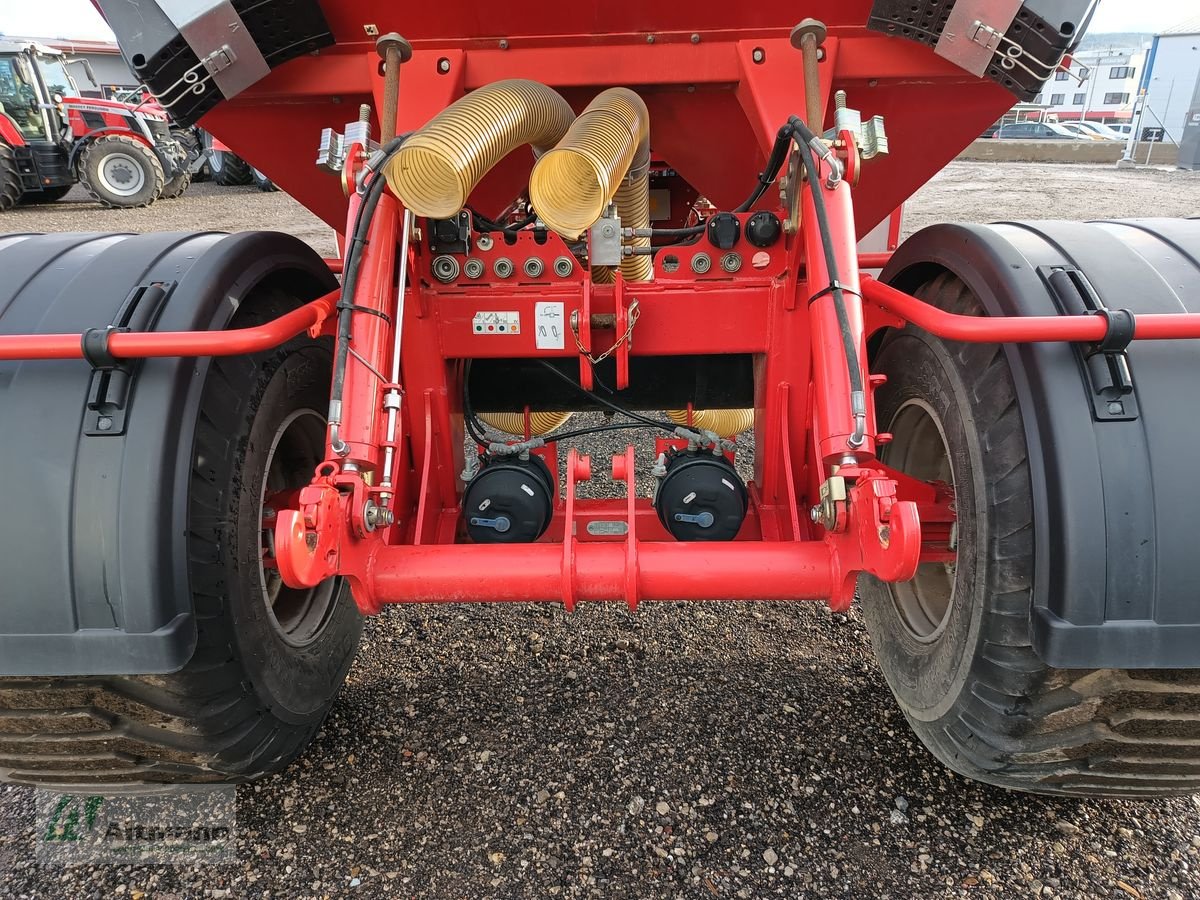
{"x": 605, "y": 156}
{"x": 514, "y": 423}
{"x": 438, "y": 167}
{"x": 725, "y": 422}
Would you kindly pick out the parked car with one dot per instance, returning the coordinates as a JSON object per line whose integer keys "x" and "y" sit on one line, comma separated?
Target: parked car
{"x": 1079, "y": 130}
{"x": 1098, "y": 129}
{"x": 1035, "y": 131}
{"x": 1123, "y": 131}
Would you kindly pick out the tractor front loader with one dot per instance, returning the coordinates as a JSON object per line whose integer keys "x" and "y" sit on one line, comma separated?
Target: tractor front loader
{"x": 223, "y": 451}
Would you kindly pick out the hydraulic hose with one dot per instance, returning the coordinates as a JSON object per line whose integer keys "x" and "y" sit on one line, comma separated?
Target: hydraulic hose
{"x": 604, "y": 157}
{"x": 805, "y": 142}
{"x": 441, "y": 163}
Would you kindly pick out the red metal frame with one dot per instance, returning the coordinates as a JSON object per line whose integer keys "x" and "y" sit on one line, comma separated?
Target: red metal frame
{"x": 822, "y": 511}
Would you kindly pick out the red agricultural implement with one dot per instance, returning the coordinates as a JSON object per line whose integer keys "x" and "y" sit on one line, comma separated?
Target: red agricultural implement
{"x": 52, "y": 137}
{"x": 214, "y": 444}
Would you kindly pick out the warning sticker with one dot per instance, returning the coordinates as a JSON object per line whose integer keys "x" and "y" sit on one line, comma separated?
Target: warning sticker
{"x": 496, "y": 323}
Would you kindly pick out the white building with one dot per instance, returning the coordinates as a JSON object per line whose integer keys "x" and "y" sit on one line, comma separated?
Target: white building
{"x": 1101, "y": 86}
{"x": 1172, "y": 82}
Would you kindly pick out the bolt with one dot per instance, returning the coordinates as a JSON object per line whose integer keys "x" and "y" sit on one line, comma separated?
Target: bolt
{"x": 758, "y": 55}
{"x": 1115, "y": 408}
{"x": 608, "y": 231}
{"x": 649, "y": 39}
{"x": 815, "y": 514}
{"x": 839, "y": 100}
{"x": 443, "y": 66}
{"x": 695, "y": 38}
{"x": 503, "y": 44}
{"x": 364, "y": 112}
{"x": 104, "y": 423}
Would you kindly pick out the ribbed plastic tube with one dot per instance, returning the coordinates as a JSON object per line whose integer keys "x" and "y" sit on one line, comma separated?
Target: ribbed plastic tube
{"x": 438, "y": 167}
{"x": 605, "y": 156}
{"x": 514, "y": 423}
{"x": 725, "y": 422}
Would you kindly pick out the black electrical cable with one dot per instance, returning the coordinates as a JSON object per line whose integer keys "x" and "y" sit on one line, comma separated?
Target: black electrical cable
{"x": 483, "y": 224}
{"x": 804, "y": 140}
{"x": 766, "y": 178}
{"x": 655, "y": 423}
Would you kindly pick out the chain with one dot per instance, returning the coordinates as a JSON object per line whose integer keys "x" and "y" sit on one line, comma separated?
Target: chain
{"x": 634, "y": 315}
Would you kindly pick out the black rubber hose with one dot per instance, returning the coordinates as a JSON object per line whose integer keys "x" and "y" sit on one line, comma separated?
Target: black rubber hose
{"x": 472, "y": 423}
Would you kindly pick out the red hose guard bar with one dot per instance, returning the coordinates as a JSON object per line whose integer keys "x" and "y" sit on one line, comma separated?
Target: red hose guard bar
{"x": 1091, "y": 329}
{"x": 970, "y": 329}
{"x": 125, "y": 345}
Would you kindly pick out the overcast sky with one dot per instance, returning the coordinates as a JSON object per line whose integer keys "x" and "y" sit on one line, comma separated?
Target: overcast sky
{"x": 79, "y": 19}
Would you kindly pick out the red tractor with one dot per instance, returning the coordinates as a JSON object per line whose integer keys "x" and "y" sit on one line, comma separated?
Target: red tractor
{"x": 221, "y": 451}
{"x": 51, "y": 138}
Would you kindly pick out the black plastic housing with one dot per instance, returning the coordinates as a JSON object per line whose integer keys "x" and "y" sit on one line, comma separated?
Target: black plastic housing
{"x": 1117, "y": 570}
{"x": 93, "y": 553}
{"x": 520, "y": 492}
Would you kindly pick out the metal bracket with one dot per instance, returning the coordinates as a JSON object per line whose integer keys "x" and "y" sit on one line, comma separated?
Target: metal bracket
{"x": 604, "y": 240}
{"x": 974, "y": 30}
{"x": 1105, "y": 365}
{"x": 219, "y": 38}
{"x": 112, "y": 379}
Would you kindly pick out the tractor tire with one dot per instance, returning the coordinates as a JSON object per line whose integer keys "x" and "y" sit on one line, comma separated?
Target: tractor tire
{"x": 121, "y": 172}
{"x": 954, "y": 644}
{"x": 196, "y": 161}
{"x": 269, "y": 661}
{"x": 228, "y": 169}
{"x": 10, "y": 179}
{"x": 46, "y": 195}
{"x": 262, "y": 182}
{"x": 177, "y": 185}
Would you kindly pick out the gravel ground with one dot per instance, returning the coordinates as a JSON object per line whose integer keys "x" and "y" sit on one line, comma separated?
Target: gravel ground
{"x": 689, "y": 750}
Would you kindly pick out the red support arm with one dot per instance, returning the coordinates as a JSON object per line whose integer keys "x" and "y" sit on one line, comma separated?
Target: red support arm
{"x": 176, "y": 343}
{"x": 1022, "y": 329}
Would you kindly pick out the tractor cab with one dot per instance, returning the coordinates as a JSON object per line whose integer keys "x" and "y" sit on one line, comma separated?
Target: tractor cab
{"x": 31, "y": 77}
{"x": 52, "y": 137}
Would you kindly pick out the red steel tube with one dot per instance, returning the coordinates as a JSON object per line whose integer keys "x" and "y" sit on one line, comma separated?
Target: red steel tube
{"x": 336, "y": 264}
{"x": 454, "y": 573}
{"x": 1022, "y": 329}
{"x": 873, "y": 260}
{"x": 176, "y": 343}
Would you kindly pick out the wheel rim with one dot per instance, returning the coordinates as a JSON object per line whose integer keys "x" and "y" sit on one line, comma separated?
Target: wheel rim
{"x": 298, "y": 614}
{"x": 121, "y": 174}
{"x": 918, "y": 448}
